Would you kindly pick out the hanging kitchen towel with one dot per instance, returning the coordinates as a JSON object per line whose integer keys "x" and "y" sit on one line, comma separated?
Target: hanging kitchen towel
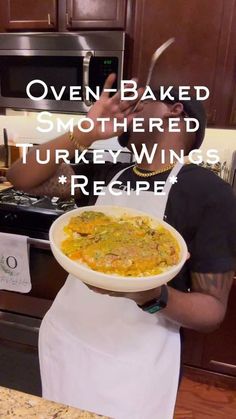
{"x": 14, "y": 263}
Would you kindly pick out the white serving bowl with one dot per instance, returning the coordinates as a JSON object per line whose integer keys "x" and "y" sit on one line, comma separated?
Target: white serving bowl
{"x": 107, "y": 281}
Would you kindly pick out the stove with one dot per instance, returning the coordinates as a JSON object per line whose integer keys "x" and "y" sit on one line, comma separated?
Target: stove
{"x": 21, "y": 314}
{"x": 31, "y": 215}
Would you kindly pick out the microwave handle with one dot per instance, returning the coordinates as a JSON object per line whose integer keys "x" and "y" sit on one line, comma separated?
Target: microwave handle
{"x": 86, "y": 63}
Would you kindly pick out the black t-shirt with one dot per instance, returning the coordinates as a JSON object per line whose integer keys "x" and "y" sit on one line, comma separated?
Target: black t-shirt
{"x": 201, "y": 206}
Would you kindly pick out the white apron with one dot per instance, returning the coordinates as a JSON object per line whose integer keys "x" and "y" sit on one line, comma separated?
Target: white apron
{"x": 106, "y": 355}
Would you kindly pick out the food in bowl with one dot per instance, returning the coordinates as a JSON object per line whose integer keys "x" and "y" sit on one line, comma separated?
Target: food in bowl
{"x": 121, "y": 245}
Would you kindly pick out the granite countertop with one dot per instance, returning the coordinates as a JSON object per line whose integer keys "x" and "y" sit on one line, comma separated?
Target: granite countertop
{"x": 14, "y": 404}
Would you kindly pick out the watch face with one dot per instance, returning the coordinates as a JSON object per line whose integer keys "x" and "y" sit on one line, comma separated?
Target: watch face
{"x": 154, "y": 309}
{"x": 151, "y": 306}
{"x": 157, "y": 304}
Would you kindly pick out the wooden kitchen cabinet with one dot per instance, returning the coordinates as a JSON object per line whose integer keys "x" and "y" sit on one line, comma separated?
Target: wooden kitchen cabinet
{"x": 30, "y": 14}
{"x": 204, "y": 52}
{"x": 228, "y": 88}
{"x": 220, "y": 347}
{"x": 95, "y": 14}
{"x": 201, "y": 30}
{"x": 231, "y": 116}
{"x": 71, "y": 14}
{"x": 215, "y": 351}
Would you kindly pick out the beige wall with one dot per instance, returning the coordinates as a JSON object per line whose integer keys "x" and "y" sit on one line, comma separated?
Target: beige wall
{"x": 22, "y": 128}
{"x": 222, "y": 140}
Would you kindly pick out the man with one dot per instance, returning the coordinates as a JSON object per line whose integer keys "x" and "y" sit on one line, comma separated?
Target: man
{"x": 106, "y": 352}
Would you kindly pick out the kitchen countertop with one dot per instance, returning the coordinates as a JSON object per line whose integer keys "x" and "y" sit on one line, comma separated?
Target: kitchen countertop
{"x": 14, "y": 404}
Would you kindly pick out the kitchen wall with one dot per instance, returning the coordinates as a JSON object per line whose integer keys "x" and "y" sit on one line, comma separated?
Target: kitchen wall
{"x": 224, "y": 140}
{"x": 22, "y": 128}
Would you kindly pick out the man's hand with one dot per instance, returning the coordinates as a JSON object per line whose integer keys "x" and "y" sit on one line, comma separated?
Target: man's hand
{"x": 110, "y": 107}
{"x": 139, "y": 297}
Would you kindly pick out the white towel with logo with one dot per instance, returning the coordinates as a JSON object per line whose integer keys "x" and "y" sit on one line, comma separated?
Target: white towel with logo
{"x": 14, "y": 263}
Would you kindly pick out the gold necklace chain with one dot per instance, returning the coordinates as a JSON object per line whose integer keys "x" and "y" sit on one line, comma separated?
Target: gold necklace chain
{"x": 153, "y": 173}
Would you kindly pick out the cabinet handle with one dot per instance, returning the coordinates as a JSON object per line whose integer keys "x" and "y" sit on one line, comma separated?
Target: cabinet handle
{"x": 68, "y": 20}
{"x": 49, "y": 19}
{"x": 233, "y": 117}
{"x": 212, "y": 116}
{"x": 223, "y": 364}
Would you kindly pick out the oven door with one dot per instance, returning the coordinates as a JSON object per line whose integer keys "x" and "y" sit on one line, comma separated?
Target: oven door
{"x": 20, "y": 319}
{"x": 19, "y": 362}
{"x": 47, "y": 278}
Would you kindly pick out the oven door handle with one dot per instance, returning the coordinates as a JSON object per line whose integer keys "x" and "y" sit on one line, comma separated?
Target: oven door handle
{"x": 86, "y": 64}
{"x": 17, "y": 325}
{"x": 19, "y": 329}
{"x": 39, "y": 243}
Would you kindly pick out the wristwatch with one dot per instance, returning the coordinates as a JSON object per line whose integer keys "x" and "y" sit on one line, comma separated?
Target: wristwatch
{"x": 156, "y": 304}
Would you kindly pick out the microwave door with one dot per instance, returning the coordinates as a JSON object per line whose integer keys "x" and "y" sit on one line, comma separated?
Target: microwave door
{"x": 81, "y": 59}
{"x": 43, "y": 82}
{"x": 96, "y": 68}
{"x": 100, "y": 66}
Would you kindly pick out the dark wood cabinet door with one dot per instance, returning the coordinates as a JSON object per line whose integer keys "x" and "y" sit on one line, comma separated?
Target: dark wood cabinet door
{"x": 229, "y": 86}
{"x": 95, "y": 14}
{"x": 215, "y": 351}
{"x": 200, "y": 28}
{"x": 192, "y": 348}
{"x": 31, "y": 14}
{"x": 220, "y": 347}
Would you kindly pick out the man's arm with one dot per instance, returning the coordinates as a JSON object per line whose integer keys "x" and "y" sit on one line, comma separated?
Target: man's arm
{"x": 203, "y": 309}
{"x": 51, "y": 187}
{"x": 42, "y": 178}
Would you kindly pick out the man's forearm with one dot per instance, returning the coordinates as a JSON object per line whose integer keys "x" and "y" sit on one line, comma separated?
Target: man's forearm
{"x": 27, "y": 176}
{"x": 32, "y": 174}
{"x": 194, "y": 310}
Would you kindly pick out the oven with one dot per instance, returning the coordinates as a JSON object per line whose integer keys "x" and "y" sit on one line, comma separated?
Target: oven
{"x": 49, "y": 71}
{"x": 21, "y": 314}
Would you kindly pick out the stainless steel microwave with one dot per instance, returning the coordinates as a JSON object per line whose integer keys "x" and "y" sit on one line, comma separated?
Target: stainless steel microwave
{"x": 60, "y": 60}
